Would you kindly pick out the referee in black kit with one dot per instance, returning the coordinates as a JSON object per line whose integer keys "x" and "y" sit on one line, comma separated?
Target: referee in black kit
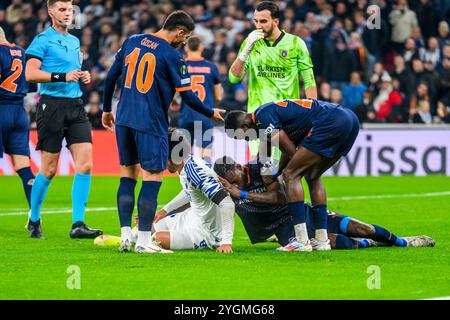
{"x": 54, "y": 60}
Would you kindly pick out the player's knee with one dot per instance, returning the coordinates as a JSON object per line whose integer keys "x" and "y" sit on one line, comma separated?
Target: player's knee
{"x": 83, "y": 167}
{"x": 289, "y": 176}
{"x": 365, "y": 230}
{"x": 48, "y": 172}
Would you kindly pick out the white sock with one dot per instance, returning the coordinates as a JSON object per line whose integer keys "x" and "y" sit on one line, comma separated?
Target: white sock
{"x": 144, "y": 238}
{"x": 125, "y": 233}
{"x": 301, "y": 233}
{"x": 322, "y": 235}
{"x": 134, "y": 234}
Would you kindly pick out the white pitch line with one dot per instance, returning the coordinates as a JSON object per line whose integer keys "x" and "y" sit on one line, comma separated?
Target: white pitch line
{"x": 392, "y": 196}
{"x": 438, "y": 298}
{"x": 58, "y": 211}
{"x": 24, "y": 211}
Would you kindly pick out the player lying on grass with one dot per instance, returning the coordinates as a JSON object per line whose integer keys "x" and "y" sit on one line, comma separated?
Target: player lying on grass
{"x": 264, "y": 213}
{"x": 205, "y": 211}
{"x": 200, "y": 216}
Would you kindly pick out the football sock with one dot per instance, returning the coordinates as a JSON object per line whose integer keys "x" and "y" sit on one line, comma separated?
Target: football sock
{"x": 320, "y": 218}
{"x": 38, "y": 193}
{"x": 144, "y": 238}
{"x": 383, "y": 235}
{"x": 126, "y": 234}
{"x": 344, "y": 242}
{"x": 80, "y": 194}
{"x": 297, "y": 212}
{"x": 147, "y": 203}
{"x": 125, "y": 200}
{"x": 363, "y": 243}
{"x": 27, "y": 177}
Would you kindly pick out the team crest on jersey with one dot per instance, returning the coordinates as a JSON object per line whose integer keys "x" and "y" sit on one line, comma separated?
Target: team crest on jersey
{"x": 284, "y": 53}
{"x": 183, "y": 69}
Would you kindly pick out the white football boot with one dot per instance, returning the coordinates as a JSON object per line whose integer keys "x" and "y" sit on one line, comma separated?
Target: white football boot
{"x": 126, "y": 246}
{"x": 153, "y": 247}
{"x": 294, "y": 245}
{"x": 420, "y": 241}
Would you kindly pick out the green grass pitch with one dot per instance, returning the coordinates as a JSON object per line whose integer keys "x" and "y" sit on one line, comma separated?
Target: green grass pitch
{"x": 37, "y": 269}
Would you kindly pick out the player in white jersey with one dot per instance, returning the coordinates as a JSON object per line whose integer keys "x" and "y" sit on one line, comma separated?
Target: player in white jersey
{"x": 202, "y": 214}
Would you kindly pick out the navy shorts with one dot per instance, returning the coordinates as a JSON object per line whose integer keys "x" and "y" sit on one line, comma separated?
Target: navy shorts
{"x": 200, "y": 141}
{"x": 135, "y": 146}
{"x": 334, "y": 134}
{"x": 336, "y": 223}
{"x": 15, "y": 130}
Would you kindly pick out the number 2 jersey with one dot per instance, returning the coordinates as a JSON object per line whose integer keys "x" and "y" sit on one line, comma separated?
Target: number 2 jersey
{"x": 13, "y": 85}
{"x": 152, "y": 72}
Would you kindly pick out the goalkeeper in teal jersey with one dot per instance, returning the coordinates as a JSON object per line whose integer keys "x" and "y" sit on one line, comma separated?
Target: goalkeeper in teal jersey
{"x": 274, "y": 60}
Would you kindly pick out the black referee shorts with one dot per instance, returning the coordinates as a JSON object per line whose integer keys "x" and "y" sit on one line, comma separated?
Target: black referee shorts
{"x": 59, "y": 118}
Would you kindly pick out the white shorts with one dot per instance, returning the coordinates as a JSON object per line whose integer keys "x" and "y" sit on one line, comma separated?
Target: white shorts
{"x": 186, "y": 231}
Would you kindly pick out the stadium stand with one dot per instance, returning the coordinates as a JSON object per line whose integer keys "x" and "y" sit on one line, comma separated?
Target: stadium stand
{"x": 397, "y": 72}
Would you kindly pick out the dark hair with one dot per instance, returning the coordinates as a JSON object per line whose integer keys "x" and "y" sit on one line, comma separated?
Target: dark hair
{"x": 232, "y": 119}
{"x": 223, "y": 165}
{"x": 179, "y": 20}
{"x": 271, "y": 6}
{"x": 50, "y": 3}
{"x": 194, "y": 43}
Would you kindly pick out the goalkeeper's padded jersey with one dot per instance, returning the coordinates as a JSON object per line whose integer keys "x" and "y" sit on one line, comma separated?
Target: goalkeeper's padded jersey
{"x": 274, "y": 70}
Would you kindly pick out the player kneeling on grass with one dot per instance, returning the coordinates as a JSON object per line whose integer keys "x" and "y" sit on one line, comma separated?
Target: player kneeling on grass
{"x": 264, "y": 213}
{"x": 204, "y": 210}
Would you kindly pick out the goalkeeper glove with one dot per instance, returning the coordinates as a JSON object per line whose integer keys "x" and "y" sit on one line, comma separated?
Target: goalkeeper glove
{"x": 254, "y": 36}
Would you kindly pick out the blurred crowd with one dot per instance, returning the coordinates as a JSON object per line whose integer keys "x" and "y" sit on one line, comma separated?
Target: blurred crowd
{"x": 389, "y": 61}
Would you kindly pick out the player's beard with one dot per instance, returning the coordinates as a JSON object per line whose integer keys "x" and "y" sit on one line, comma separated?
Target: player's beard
{"x": 268, "y": 33}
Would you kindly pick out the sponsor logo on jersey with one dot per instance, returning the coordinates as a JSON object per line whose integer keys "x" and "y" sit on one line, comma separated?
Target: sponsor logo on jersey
{"x": 267, "y": 71}
{"x": 269, "y": 130}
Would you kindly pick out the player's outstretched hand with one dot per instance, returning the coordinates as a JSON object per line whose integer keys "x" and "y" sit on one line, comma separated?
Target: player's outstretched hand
{"x": 159, "y": 215}
{"x": 74, "y": 75}
{"x": 225, "y": 248}
{"x": 108, "y": 120}
{"x": 86, "y": 77}
{"x": 217, "y": 116}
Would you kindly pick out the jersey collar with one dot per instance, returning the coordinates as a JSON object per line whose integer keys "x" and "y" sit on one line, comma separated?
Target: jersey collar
{"x": 194, "y": 59}
{"x": 276, "y": 41}
{"x": 7, "y": 44}
{"x": 154, "y": 35}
